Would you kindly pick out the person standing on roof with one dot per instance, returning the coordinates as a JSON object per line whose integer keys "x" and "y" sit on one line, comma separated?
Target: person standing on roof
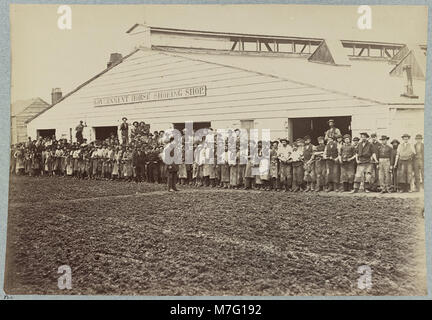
{"x": 332, "y": 132}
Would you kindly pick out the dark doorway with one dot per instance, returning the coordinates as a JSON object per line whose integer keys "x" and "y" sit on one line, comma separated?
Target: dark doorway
{"x": 196, "y": 125}
{"x": 101, "y": 133}
{"x": 46, "y": 133}
{"x": 315, "y": 127}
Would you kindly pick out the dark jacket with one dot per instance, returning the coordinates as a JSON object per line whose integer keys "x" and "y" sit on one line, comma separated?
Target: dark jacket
{"x": 364, "y": 152}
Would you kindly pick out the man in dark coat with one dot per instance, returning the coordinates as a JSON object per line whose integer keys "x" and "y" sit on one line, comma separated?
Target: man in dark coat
{"x": 364, "y": 157}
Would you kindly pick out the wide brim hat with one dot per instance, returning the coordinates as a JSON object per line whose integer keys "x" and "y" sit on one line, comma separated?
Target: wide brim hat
{"x": 347, "y": 136}
{"x": 419, "y": 136}
{"x": 124, "y": 118}
{"x": 395, "y": 141}
{"x": 356, "y": 139}
{"x": 384, "y": 137}
{"x": 364, "y": 134}
{"x": 330, "y": 120}
{"x": 283, "y": 139}
{"x": 406, "y": 135}
{"x": 135, "y": 122}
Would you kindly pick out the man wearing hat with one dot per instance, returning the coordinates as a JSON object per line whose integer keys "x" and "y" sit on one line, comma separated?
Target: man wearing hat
{"x": 124, "y": 131}
{"x": 332, "y": 131}
{"x": 284, "y": 154}
{"x": 419, "y": 162}
{"x": 363, "y": 159}
{"x": 384, "y": 164}
{"x": 404, "y": 164}
{"x": 347, "y": 158}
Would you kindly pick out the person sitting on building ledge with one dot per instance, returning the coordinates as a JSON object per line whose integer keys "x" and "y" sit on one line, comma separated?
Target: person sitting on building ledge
{"x": 333, "y": 132}
{"x": 124, "y": 131}
{"x": 79, "y": 131}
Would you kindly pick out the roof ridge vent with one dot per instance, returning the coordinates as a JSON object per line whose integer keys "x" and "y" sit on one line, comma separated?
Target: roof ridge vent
{"x": 330, "y": 52}
{"x": 416, "y": 59}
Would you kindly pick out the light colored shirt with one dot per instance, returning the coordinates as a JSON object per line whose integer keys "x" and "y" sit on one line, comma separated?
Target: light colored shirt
{"x": 284, "y": 153}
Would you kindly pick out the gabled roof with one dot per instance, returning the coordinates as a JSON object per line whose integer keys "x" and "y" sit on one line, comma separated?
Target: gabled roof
{"x": 83, "y": 85}
{"x": 368, "y": 80}
{"x": 414, "y": 57}
{"x": 330, "y": 52}
{"x": 20, "y": 106}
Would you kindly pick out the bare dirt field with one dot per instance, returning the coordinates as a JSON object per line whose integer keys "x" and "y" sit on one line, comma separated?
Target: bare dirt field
{"x": 137, "y": 239}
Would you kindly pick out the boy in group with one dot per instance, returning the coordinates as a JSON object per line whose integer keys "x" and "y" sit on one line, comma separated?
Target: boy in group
{"x": 274, "y": 166}
{"x": 384, "y": 163}
{"x": 419, "y": 162}
{"x": 374, "y": 165}
{"x": 338, "y": 183}
{"x": 347, "y": 159}
{"x": 395, "y": 144}
{"x": 309, "y": 176}
{"x": 284, "y": 155}
{"x": 331, "y": 157}
{"x": 319, "y": 164}
{"x": 297, "y": 165}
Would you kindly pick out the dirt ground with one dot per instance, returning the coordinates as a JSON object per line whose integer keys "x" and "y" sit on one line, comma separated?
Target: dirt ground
{"x": 137, "y": 239}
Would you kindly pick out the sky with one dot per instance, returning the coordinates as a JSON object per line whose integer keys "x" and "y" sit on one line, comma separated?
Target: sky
{"x": 44, "y": 57}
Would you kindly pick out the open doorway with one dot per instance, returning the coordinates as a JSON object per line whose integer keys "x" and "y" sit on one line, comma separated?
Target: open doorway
{"x": 101, "y": 133}
{"x": 46, "y": 133}
{"x": 315, "y": 127}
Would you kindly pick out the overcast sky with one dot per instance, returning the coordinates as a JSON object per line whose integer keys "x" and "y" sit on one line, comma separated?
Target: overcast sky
{"x": 44, "y": 57}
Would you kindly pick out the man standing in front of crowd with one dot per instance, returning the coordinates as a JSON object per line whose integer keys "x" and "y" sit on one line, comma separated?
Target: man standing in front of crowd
{"x": 363, "y": 159}
{"x": 332, "y": 132}
{"x": 284, "y": 154}
{"x": 404, "y": 158}
{"x": 384, "y": 164}
{"x": 419, "y": 162}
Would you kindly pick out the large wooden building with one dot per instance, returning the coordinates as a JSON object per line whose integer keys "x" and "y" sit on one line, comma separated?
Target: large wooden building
{"x": 290, "y": 85}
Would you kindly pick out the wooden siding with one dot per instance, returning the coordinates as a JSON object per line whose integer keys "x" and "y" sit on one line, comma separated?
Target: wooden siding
{"x": 232, "y": 95}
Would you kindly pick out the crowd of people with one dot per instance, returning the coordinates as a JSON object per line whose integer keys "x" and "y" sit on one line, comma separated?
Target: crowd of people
{"x": 337, "y": 163}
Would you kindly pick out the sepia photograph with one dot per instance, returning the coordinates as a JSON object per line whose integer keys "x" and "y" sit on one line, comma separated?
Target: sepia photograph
{"x": 217, "y": 150}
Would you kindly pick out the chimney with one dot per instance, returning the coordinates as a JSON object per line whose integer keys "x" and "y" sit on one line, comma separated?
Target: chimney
{"x": 56, "y": 95}
{"x": 115, "y": 58}
{"x": 409, "y": 87}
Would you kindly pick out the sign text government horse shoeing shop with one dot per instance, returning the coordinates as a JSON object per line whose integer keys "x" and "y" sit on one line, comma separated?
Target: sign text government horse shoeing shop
{"x": 181, "y": 93}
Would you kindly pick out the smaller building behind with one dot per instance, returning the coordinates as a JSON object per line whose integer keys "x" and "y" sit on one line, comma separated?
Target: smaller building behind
{"x": 22, "y": 111}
